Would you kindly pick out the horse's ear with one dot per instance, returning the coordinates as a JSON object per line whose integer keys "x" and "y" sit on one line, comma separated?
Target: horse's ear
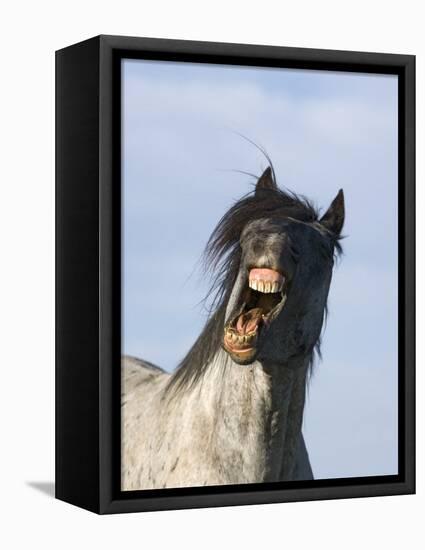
{"x": 266, "y": 181}
{"x": 333, "y": 219}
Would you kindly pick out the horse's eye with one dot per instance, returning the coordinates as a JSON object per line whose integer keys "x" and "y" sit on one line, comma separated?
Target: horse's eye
{"x": 326, "y": 250}
{"x": 295, "y": 253}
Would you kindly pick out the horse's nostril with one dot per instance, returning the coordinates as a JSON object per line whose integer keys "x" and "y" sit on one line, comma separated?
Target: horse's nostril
{"x": 258, "y": 247}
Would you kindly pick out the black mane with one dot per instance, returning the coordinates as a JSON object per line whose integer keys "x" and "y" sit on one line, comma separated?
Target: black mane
{"x": 222, "y": 257}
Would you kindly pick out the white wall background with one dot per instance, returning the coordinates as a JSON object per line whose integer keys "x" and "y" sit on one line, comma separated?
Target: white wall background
{"x": 29, "y": 34}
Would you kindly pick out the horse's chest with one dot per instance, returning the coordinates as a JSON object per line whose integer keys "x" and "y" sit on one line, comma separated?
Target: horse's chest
{"x": 218, "y": 455}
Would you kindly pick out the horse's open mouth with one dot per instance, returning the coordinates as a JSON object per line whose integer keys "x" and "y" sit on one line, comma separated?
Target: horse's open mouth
{"x": 262, "y": 301}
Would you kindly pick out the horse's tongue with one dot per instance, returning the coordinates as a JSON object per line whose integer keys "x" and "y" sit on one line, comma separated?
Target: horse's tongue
{"x": 248, "y": 321}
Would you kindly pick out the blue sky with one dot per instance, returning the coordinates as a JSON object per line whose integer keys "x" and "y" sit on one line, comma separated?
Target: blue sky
{"x": 323, "y": 130}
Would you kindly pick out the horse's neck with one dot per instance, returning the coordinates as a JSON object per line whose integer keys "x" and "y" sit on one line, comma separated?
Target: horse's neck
{"x": 255, "y": 415}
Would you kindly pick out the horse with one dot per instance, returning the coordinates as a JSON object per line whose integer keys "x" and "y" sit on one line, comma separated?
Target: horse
{"x": 232, "y": 411}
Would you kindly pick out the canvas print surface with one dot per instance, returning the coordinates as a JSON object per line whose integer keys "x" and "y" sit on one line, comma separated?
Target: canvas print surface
{"x": 259, "y": 275}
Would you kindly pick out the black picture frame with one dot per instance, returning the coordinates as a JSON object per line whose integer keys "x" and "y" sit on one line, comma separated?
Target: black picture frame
{"x": 88, "y": 273}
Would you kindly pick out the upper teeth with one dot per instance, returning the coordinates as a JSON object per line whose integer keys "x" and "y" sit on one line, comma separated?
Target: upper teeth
{"x": 266, "y": 287}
